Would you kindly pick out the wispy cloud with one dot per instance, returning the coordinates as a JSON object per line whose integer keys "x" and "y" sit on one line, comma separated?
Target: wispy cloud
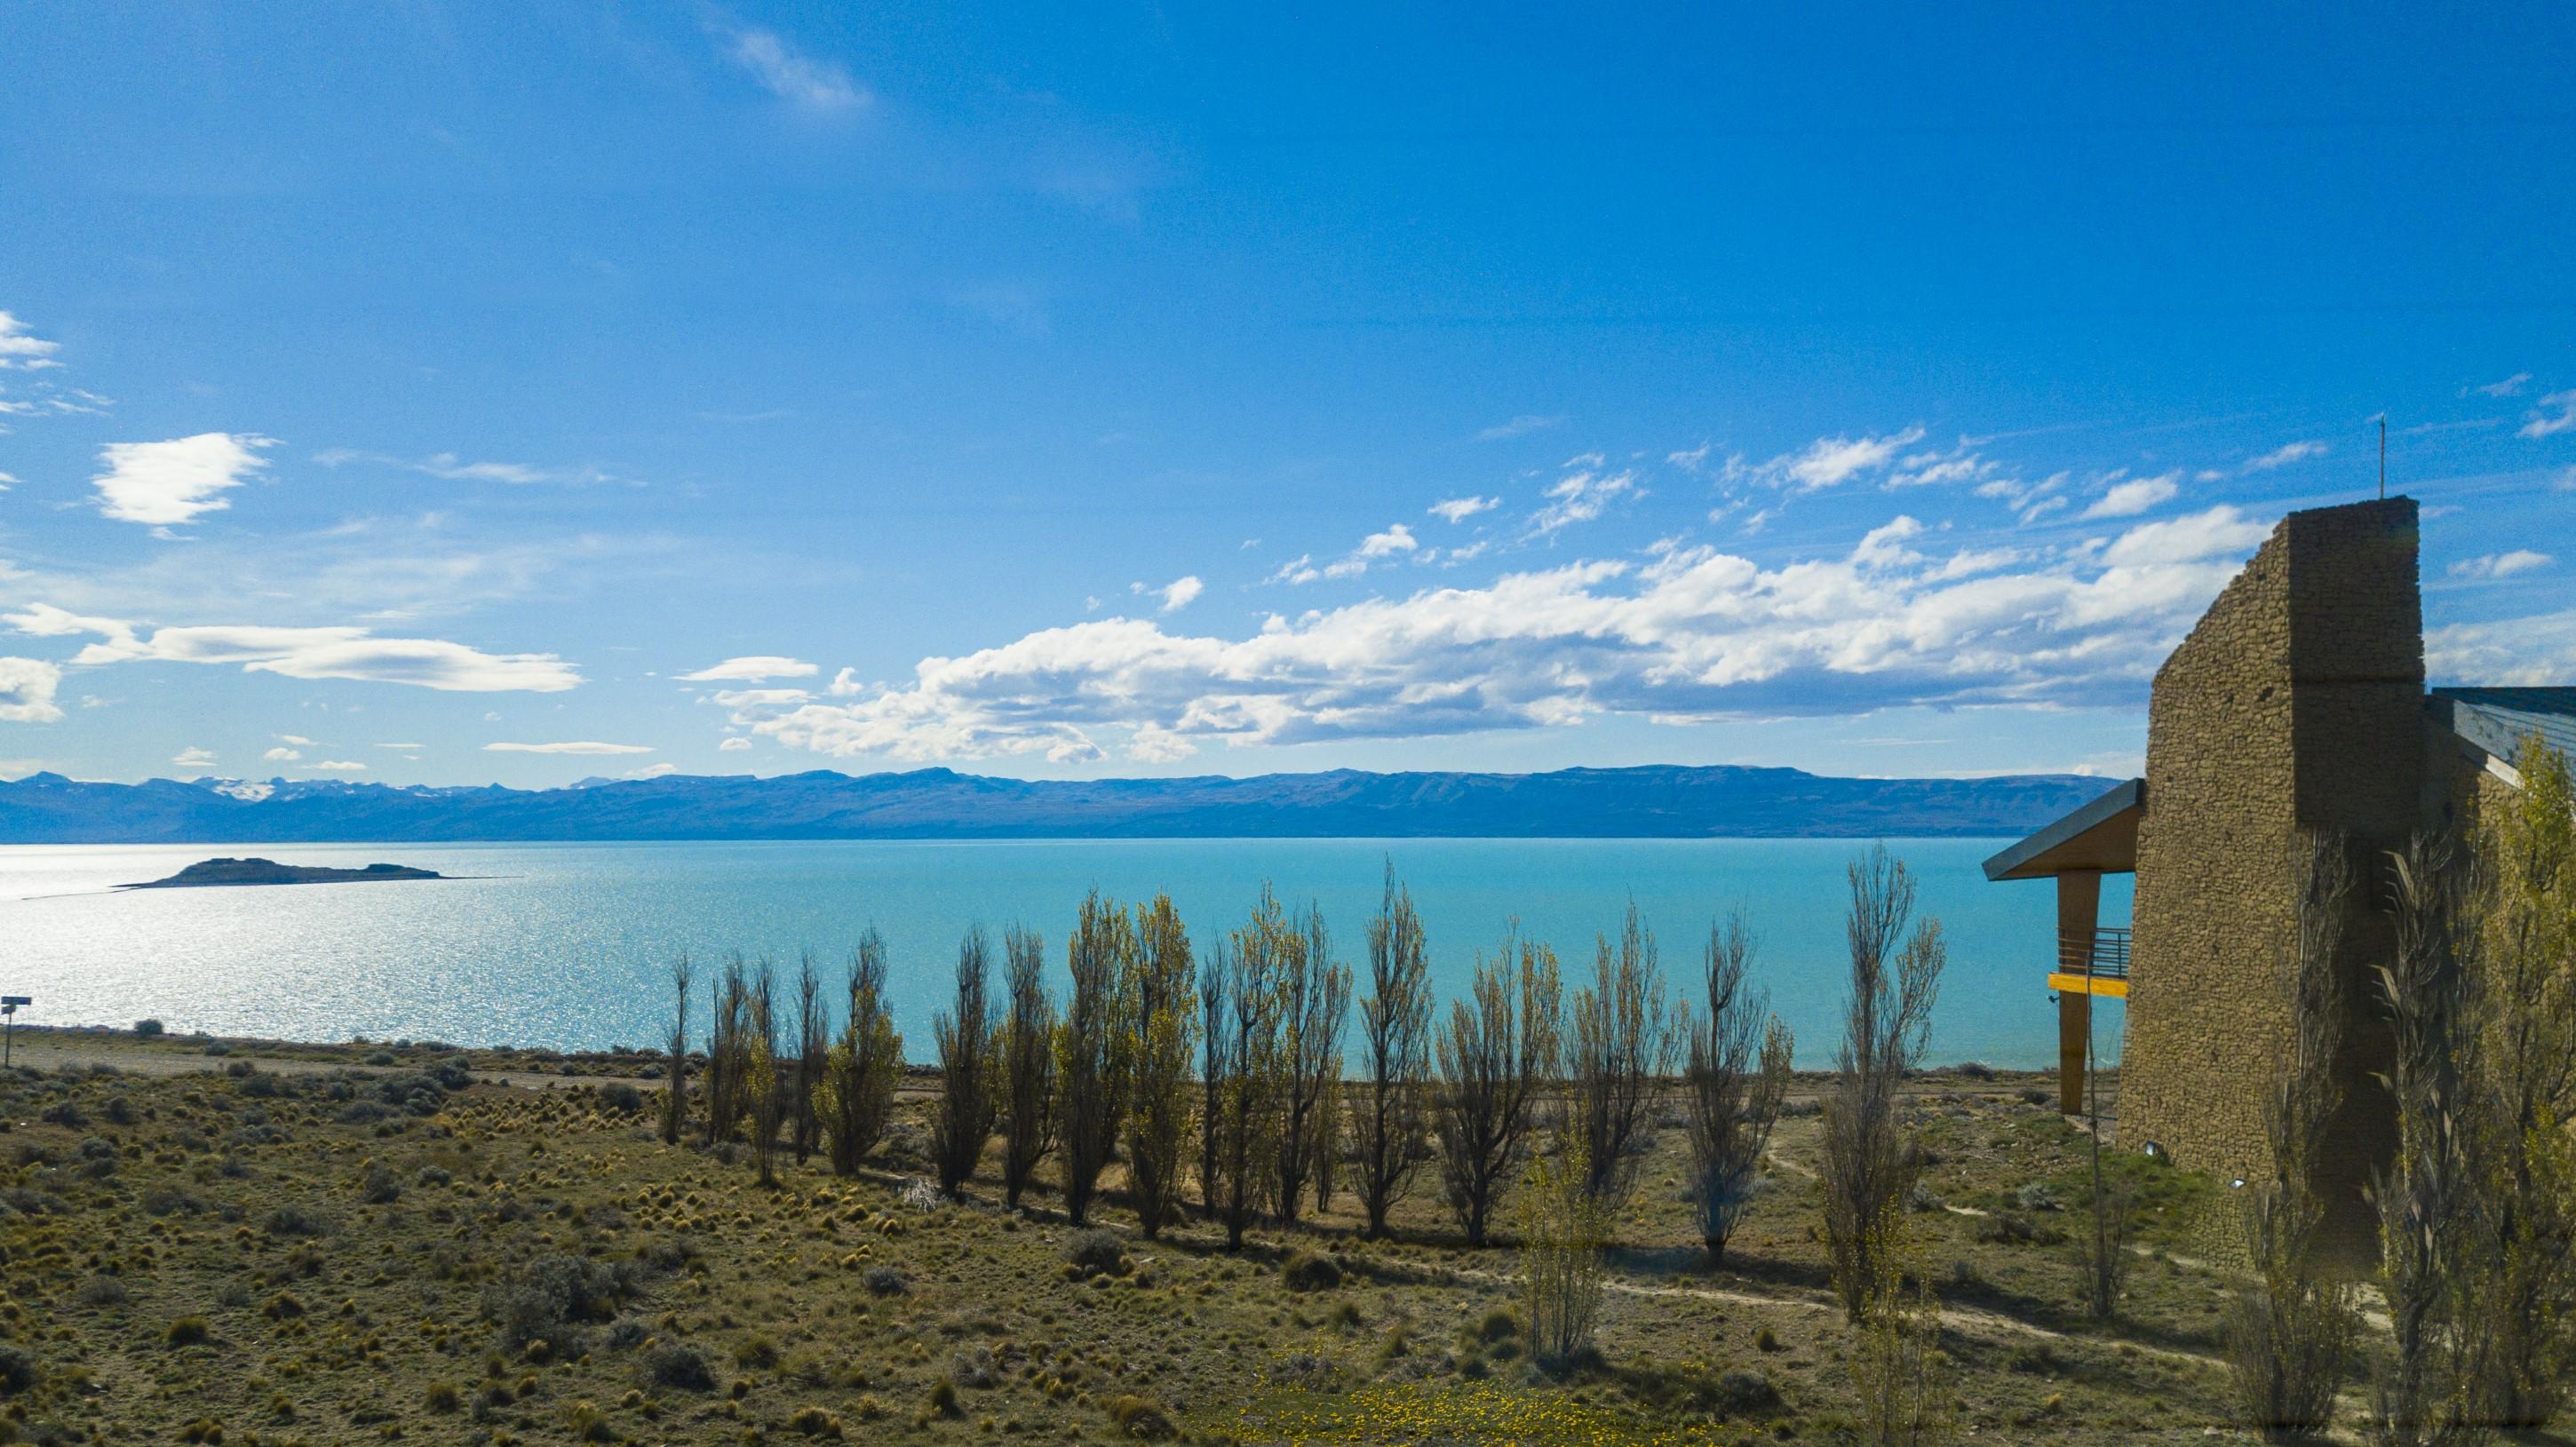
{"x": 752, "y": 669}
{"x": 2130, "y": 498}
{"x": 454, "y": 468}
{"x": 2501, "y": 565}
{"x": 311, "y": 653}
{"x": 2284, "y": 455}
{"x": 2544, "y": 424}
{"x": 1459, "y": 509}
{"x": 22, "y": 350}
{"x": 2510, "y": 387}
{"x": 337, "y": 766}
{"x": 282, "y": 755}
{"x": 1520, "y": 426}
{"x": 1832, "y": 461}
{"x": 789, "y": 74}
{"x": 1582, "y": 494}
{"x": 579, "y": 746}
{"x": 193, "y": 758}
{"x": 169, "y": 484}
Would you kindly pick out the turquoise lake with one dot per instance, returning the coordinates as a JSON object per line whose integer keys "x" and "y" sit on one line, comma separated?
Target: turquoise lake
{"x": 567, "y": 945}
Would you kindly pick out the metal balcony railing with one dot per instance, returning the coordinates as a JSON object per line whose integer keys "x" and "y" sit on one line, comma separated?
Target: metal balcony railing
{"x": 2103, "y": 957}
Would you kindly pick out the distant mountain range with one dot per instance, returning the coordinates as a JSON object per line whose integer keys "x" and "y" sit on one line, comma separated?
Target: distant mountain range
{"x": 1651, "y": 802}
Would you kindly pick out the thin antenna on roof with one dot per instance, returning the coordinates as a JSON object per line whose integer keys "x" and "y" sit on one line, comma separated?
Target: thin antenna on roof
{"x": 2383, "y": 457}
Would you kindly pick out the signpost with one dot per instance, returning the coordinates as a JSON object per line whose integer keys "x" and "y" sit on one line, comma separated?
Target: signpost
{"x": 8, "y": 1020}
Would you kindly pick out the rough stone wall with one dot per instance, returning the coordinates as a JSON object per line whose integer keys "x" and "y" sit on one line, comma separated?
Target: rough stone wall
{"x": 2294, "y": 708}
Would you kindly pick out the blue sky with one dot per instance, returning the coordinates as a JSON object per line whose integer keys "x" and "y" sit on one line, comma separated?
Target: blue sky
{"x": 434, "y": 394}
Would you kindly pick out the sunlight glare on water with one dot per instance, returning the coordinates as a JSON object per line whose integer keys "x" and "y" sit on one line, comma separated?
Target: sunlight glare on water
{"x": 566, "y": 945}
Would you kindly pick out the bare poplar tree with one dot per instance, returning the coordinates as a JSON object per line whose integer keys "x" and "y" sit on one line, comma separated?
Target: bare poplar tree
{"x": 675, "y": 1094}
{"x": 2291, "y": 1332}
{"x": 1497, "y": 1053}
{"x": 2435, "y": 1250}
{"x": 764, "y": 1094}
{"x": 1216, "y": 1067}
{"x": 1248, "y": 1070}
{"x": 1895, "y": 978}
{"x": 1735, "y": 1076}
{"x": 1396, "y": 1020}
{"x": 1161, "y": 1022}
{"x": 856, "y": 1096}
{"x": 1092, "y": 1058}
{"x": 813, "y": 1044}
{"x": 729, "y": 1024}
{"x": 1028, "y": 1063}
{"x": 965, "y": 1037}
{"x": 1620, "y": 1049}
{"x": 1324, "y": 1141}
{"x": 1315, "y": 1003}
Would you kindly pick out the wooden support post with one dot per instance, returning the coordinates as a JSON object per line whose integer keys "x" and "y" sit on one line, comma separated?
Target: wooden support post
{"x": 2079, "y": 907}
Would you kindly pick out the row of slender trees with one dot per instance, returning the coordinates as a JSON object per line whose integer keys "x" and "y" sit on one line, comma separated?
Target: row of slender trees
{"x": 2475, "y": 985}
{"x": 1219, "y": 1083}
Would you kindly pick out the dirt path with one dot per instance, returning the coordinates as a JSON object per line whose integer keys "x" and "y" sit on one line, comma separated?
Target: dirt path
{"x": 1964, "y": 1318}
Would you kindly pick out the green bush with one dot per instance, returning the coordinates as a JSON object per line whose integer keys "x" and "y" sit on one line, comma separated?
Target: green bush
{"x": 189, "y": 1331}
{"x": 148, "y": 1029}
{"x": 672, "y": 1364}
{"x": 1141, "y": 1417}
{"x": 1309, "y": 1271}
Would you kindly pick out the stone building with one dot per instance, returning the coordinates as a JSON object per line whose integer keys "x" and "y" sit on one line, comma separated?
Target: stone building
{"x": 2295, "y": 710}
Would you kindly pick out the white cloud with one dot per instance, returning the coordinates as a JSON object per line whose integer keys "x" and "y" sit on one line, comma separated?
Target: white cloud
{"x": 1459, "y": 509}
{"x": 27, "y": 691}
{"x": 2128, "y": 499}
{"x": 733, "y": 746}
{"x": 167, "y": 484}
{"x": 2501, "y": 565}
{"x": 2534, "y": 652}
{"x": 296, "y": 739}
{"x": 282, "y": 755}
{"x": 453, "y": 468}
{"x": 1582, "y": 495}
{"x": 1694, "y": 633}
{"x": 2221, "y": 530}
{"x": 2284, "y": 455}
{"x": 338, "y": 766}
{"x": 575, "y": 747}
{"x": 651, "y": 771}
{"x": 1831, "y": 461}
{"x": 1932, "y": 469}
{"x": 2510, "y": 387}
{"x": 312, "y": 653}
{"x": 1884, "y": 546}
{"x": 193, "y": 758}
{"x": 1520, "y": 426}
{"x": 22, "y": 351}
{"x": 1398, "y": 538}
{"x": 783, "y": 71}
{"x": 402, "y": 746}
{"x": 752, "y": 669}
{"x": 1178, "y": 593}
{"x": 2544, "y": 425}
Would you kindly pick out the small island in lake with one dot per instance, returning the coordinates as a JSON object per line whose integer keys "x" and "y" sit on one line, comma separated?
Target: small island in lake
{"x": 214, "y": 872}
